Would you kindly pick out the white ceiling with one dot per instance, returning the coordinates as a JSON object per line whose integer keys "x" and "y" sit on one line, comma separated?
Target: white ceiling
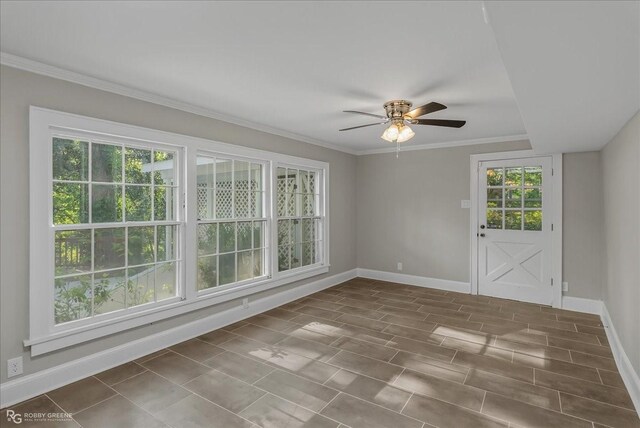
{"x": 574, "y": 67}
{"x": 291, "y": 66}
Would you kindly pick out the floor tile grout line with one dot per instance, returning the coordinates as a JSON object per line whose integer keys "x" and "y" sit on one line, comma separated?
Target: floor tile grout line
{"x": 407, "y": 402}
{"x": 130, "y": 377}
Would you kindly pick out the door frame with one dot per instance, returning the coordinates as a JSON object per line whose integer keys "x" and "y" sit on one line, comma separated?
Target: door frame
{"x": 556, "y": 216}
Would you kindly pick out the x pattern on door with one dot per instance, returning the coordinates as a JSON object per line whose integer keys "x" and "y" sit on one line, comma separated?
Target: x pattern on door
{"x": 514, "y": 263}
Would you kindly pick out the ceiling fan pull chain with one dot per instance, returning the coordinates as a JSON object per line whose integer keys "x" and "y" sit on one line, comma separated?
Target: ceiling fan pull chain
{"x": 397, "y": 149}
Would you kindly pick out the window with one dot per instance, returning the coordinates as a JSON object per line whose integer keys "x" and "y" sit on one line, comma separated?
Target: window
{"x": 130, "y": 225}
{"x": 115, "y": 228}
{"x": 514, "y": 198}
{"x": 299, "y": 218}
{"x": 232, "y": 221}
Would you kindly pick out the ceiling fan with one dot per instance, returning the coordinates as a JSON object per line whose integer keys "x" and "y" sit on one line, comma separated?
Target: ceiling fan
{"x": 400, "y": 114}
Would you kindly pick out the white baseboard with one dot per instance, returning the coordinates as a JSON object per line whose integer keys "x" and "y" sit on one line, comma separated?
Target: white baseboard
{"x": 32, "y": 385}
{"x": 629, "y": 375}
{"x": 579, "y": 304}
{"x": 419, "y": 281}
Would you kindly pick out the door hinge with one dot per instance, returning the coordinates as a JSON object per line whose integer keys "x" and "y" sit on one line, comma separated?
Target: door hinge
{"x": 551, "y": 281}
{"x": 552, "y": 227}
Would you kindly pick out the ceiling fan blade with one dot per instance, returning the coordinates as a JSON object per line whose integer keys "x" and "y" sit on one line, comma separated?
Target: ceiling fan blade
{"x": 440, "y": 122}
{"x": 362, "y": 126}
{"x": 425, "y": 109}
{"x": 365, "y": 113}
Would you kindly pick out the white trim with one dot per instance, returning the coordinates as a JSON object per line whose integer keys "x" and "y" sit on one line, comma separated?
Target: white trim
{"x": 627, "y": 372}
{"x": 580, "y": 304}
{"x": 445, "y": 144}
{"x": 419, "y": 281}
{"x": 43, "y": 69}
{"x": 127, "y": 91}
{"x": 29, "y": 386}
{"x": 556, "y": 235}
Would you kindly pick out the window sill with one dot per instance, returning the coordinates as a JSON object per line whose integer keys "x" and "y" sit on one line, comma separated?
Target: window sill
{"x": 73, "y": 336}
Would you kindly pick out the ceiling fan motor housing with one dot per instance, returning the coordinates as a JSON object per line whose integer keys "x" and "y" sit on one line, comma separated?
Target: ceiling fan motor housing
{"x": 397, "y": 109}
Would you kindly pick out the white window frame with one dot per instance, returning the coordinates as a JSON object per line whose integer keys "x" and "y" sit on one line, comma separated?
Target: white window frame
{"x": 45, "y": 337}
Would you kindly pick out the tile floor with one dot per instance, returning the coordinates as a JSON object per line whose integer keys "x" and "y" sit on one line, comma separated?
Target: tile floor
{"x": 367, "y": 354}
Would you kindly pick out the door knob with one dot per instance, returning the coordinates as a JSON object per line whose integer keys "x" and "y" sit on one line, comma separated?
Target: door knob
{"x": 482, "y": 226}
{"x": 482, "y": 235}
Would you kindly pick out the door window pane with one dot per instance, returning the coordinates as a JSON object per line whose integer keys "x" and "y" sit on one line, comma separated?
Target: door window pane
{"x": 513, "y": 220}
{"x": 494, "y": 176}
{"x": 513, "y": 176}
{"x": 494, "y": 198}
{"x": 533, "y": 176}
{"x": 533, "y": 198}
{"x": 533, "y": 220}
{"x": 513, "y": 198}
{"x": 494, "y": 219}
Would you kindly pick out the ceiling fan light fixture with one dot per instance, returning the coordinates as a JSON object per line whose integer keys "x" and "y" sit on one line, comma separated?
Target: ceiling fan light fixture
{"x": 391, "y": 133}
{"x": 405, "y": 134}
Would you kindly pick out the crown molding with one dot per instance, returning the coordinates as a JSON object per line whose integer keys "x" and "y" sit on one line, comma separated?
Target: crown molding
{"x": 517, "y": 137}
{"x": 37, "y": 67}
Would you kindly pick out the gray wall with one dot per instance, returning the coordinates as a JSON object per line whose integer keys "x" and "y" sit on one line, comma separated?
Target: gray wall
{"x": 583, "y": 218}
{"x": 19, "y": 90}
{"x": 409, "y": 210}
{"x": 621, "y": 177}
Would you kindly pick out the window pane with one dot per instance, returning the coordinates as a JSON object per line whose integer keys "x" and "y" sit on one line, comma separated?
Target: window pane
{"x": 205, "y": 170}
{"x": 296, "y": 231}
{"x": 256, "y": 176}
{"x": 513, "y": 176}
{"x": 163, "y": 168}
{"x": 533, "y": 220}
{"x": 224, "y": 177}
{"x": 72, "y": 298}
{"x": 494, "y": 219}
{"x": 533, "y": 198}
{"x": 207, "y": 272}
{"x": 72, "y": 251}
{"x": 109, "y": 248}
{"x": 241, "y": 203}
{"x": 227, "y": 237}
{"x": 109, "y": 291}
{"x": 284, "y": 227}
{"x": 283, "y": 257}
{"x": 224, "y": 203}
{"x": 227, "y": 268}
{"x": 70, "y": 203}
{"x": 308, "y": 230}
{"x": 258, "y": 256}
{"x": 245, "y": 265}
{"x": 207, "y": 239}
{"x": 258, "y": 234}
{"x": 494, "y": 176}
{"x": 141, "y": 285}
{"x": 308, "y": 253}
{"x": 106, "y": 163}
{"x": 256, "y": 204}
{"x": 164, "y": 203}
{"x": 141, "y": 245}
{"x": 70, "y": 159}
{"x": 292, "y": 195}
{"x": 137, "y": 166}
{"x": 296, "y": 256}
{"x": 106, "y": 203}
{"x": 281, "y": 193}
{"x": 165, "y": 281}
{"x": 309, "y": 204}
{"x": 166, "y": 243}
{"x": 513, "y": 198}
{"x": 494, "y": 198}
{"x": 244, "y": 235}
{"x": 513, "y": 220}
{"x": 241, "y": 175}
{"x": 313, "y": 178}
{"x": 138, "y": 203}
{"x": 533, "y": 176}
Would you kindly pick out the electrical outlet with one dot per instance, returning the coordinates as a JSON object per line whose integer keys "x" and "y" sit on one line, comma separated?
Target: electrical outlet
{"x": 14, "y": 367}
{"x": 565, "y": 286}
{"x": 245, "y": 303}
{"x": 399, "y": 265}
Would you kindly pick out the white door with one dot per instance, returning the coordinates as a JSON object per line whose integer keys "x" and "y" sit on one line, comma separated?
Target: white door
{"x": 514, "y": 231}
